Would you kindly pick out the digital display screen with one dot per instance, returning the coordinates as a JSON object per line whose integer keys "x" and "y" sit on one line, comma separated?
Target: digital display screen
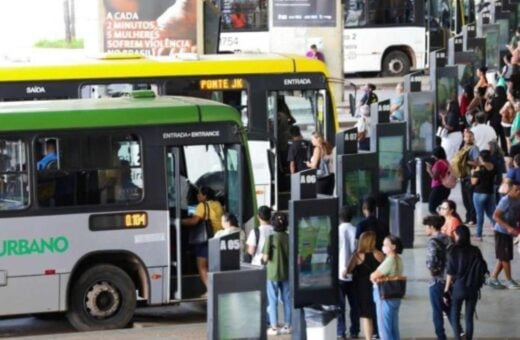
{"x": 446, "y": 90}
{"x": 118, "y": 221}
{"x": 503, "y": 26}
{"x": 358, "y": 184}
{"x": 391, "y": 157}
{"x": 222, "y": 84}
{"x": 239, "y": 315}
{"x": 421, "y": 122}
{"x": 314, "y": 252}
{"x": 466, "y": 73}
{"x": 492, "y": 36}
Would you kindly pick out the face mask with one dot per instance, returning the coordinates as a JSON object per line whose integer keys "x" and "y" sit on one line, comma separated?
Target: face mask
{"x": 386, "y": 250}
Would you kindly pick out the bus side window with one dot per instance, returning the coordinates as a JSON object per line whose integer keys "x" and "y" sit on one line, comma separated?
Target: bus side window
{"x": 14, "y": 183}
{"x": 90, "y": 173}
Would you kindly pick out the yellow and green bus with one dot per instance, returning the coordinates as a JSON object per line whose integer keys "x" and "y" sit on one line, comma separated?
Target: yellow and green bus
{"x": 259, "y": 86}
{"x": 92, "y": 193}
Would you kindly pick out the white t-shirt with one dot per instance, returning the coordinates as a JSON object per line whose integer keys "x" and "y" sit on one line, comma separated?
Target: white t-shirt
{"x": 363, "y": 124}
{"x": 483, "y": 135}
{"x": 265, "y": 231}
{"x": 347, "y": 247}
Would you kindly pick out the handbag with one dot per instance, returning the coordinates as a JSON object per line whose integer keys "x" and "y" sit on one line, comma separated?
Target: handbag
{"x": 449, "y": 180}
{"x": 442, "y": 132}
{"x": 323, "y": 168}
{"x": 392, "y": 287}
{"x": 203, "y": 231}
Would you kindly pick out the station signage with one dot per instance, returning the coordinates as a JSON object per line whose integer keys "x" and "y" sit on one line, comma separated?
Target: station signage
{"x": 198, "y": 134}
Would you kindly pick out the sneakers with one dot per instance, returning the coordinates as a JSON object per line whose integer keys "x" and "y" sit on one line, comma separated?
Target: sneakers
{"x": 272, "y": 331}
{"x": 494, "y": 283}
{"x": 469, "y": 223}
{"x": 285, "y": 330}
{"x": 511, "y": 284}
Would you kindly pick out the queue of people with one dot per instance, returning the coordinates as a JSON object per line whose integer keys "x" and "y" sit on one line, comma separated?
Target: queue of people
{"x": 368, "y": 254}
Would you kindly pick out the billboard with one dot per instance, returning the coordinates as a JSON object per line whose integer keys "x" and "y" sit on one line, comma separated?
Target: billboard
{"x": 304, "y": 13}
{"x": 150, "y": 27}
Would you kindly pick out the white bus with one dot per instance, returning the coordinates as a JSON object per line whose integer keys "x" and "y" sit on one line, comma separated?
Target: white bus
{"x": 384, "y": 36}
{"x": 379, "y": 36}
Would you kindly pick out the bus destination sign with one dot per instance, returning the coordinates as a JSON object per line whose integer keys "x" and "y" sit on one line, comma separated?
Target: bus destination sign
{"x": 216, "y": 84}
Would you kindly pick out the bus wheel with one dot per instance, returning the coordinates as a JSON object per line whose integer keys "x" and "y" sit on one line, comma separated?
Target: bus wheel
{"x": 102, "y": 298}
{"x": 396, "y": 63}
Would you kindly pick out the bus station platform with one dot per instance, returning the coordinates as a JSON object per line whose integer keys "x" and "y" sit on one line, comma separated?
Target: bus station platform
{"x": 497, "y": 310}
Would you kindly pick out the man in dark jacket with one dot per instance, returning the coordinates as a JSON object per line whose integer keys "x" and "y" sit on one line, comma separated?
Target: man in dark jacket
{"x": 371, "y": 222}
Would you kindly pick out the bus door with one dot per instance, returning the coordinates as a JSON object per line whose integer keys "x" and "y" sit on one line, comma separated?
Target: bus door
{"x": 190, "y": 168}
{"x": 305, "y": 109}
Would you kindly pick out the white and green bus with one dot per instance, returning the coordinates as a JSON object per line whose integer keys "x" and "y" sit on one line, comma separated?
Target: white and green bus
{"x": 94, "y": 228}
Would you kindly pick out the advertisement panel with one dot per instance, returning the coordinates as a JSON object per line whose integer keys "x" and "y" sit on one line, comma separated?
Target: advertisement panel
{"x": 304, "y": 13}
{"x": 150, "y": 27}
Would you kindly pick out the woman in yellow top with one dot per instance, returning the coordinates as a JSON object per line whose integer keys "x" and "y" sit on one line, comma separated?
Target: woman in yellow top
{"x": 205, "y": 196}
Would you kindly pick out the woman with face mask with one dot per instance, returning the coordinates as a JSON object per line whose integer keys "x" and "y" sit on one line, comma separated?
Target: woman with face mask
{"x": 388, "y": 309}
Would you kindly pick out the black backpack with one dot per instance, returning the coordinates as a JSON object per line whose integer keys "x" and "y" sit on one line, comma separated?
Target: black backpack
{"x": 477, "y": 272}
{"x": 438, "y": 264}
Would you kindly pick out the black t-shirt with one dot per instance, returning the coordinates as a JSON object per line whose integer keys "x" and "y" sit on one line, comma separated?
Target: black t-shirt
{"x": 372, "y": 223}
{"x": 459, "y": 261}
{"x": 299, "y": 152}
{"x": 515, "y": 150}
{"x": 486, "y": 180}
{"x": 453, "y": 120}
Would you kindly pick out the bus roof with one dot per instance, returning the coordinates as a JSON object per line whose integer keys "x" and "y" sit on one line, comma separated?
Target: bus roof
{"x": 111, "y": 112}
{"x": 207, "y": 65}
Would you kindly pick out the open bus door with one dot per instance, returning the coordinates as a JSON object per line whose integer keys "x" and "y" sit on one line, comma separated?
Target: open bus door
{"x": 219, "y": 167}
{"x": 306, "y": 109}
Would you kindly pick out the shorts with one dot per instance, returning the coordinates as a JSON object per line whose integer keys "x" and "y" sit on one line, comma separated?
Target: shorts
{"x": 503, "y": 246}
{"x": 201, "y": 250}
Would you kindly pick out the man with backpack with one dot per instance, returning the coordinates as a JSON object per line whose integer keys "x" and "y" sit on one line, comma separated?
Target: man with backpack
{"x": 436, "y": 258}
{"x": 300, "y": 151}
{"x": 466, "y": 271}
{"x": 462, "y": 162}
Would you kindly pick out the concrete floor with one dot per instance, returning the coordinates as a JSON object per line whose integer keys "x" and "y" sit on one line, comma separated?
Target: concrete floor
{"x": 498, "y": 310}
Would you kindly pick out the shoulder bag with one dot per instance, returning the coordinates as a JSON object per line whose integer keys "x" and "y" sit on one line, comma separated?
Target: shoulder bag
{"x": 323, "y": 168}
{"x": 392, "y": 287}
{"x": 203, "y": 231}
{"x": 449, "y": 180}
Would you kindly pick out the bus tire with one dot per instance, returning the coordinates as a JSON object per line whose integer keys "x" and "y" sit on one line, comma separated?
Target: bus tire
{"x": 396, "y": 64}
{"x": 102, "y": 298}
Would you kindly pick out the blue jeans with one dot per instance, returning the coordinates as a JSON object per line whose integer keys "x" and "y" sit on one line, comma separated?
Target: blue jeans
{"x": 347, "y": 288}
{"x": 387, "y": 316}
{"x": 483, "y": 203}
{"x": 438, "y": 307}
{"x": 456, "y": 305}
{"x": 273, "y": 287}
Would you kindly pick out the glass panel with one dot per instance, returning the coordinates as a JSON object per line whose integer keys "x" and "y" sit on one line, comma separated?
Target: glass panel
{"x": 114, "y": 90}
{"x": 233, "y": 182}
{"x": 88, "y": 169}
{"x": 244, "y": 15}
{"x": 14, "y": 184}
{"x": 205, "y": 166}
{"x": 303, "y": 111}
{"x": 379, "y": 13}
